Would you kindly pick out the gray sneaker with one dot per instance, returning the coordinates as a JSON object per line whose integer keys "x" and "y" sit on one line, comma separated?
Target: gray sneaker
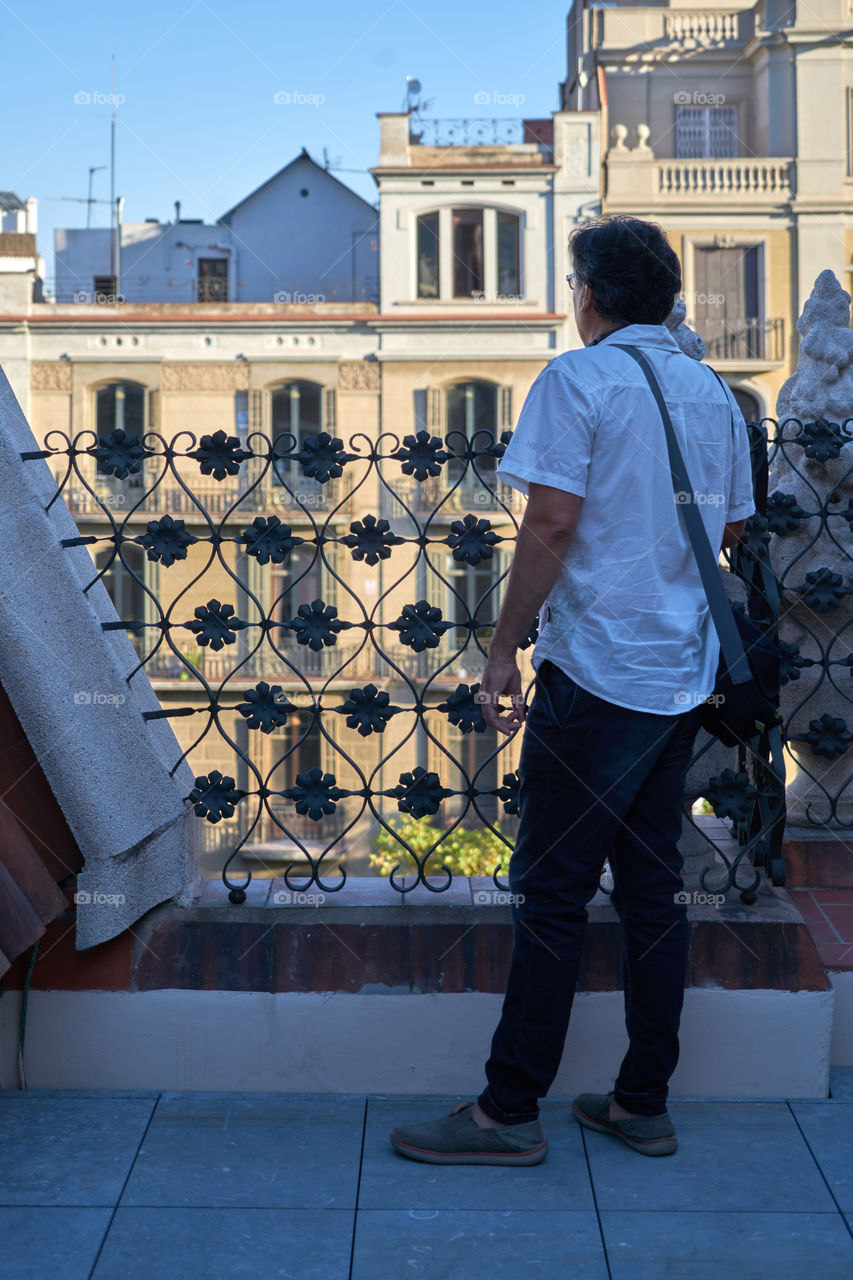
{"x": 458, "y": 1139}
{"x": 650, "y": 1135}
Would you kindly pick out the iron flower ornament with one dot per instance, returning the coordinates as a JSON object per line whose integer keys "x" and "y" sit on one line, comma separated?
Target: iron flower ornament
{"x": 166, "y": 540}
{"x": 267, "y": 539}
{"x": 216, "y": 624}
{"x": 266, "y": 707}
{"x": 214, "y": 796}
{"x": 422, "y": 455}
{"x": 220, "y": 455}
{"x": 371, "y": 540}
{"x": 119, "y": 454}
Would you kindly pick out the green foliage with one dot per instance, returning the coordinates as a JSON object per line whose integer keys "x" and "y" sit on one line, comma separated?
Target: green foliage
{"x": 463, "y": 851}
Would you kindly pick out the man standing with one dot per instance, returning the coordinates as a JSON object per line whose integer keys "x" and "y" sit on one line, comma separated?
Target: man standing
{"x": 626, "y": 654}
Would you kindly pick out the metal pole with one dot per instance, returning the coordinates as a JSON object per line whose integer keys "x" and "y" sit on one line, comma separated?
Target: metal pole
{"x": 119, "y": 207}
{"x": 113, "y": 178}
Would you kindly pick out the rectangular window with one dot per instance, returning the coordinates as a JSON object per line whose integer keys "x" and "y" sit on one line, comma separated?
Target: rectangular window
{"x": 428, "y": 255}
{"x": 708, "y": 133}
{"x": 727, "y": 306}
{"x": 509, "y": 276}
{"x": 212, "y": 280}
{"x": 105, "y": 289}
{"x": 467, "y": 253}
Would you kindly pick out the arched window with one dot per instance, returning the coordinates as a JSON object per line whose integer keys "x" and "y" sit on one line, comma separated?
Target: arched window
{"x": 471, "y": 407}
{"x": 297, "y": 408}
{"x": 120, "y": 405}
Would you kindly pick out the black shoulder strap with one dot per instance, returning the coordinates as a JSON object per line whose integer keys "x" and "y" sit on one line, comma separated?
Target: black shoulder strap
{"x": 721, "y": 612}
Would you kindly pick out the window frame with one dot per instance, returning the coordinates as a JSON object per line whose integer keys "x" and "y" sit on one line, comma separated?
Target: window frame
{"x": 745, "y": 241}
{"x": 483, "y": 463}
{"x": 491, "y": 215}
{"x": 286, "y": 470}
{"x": 135, "y": 480}
{"x": 707, "y": 109}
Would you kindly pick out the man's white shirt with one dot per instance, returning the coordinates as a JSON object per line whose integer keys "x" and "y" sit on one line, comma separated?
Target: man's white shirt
{"x": 627, "y": 618}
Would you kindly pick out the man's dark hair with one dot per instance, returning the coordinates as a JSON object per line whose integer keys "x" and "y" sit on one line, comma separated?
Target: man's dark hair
{"x": 630, "y": 266}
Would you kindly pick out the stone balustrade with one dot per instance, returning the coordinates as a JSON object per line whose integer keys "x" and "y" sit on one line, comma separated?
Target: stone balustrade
{"x": 635, "y": 175}
{"x": 622, "y": 28}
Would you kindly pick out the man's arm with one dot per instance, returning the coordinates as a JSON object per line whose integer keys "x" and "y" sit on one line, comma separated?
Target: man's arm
{"x": 544, "y": 538}
{"x": 732, "y": 532}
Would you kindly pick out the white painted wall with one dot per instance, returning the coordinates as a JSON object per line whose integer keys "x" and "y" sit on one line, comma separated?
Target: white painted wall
{"x": 734, "y": 1044}
{"x": 159, "y": 261}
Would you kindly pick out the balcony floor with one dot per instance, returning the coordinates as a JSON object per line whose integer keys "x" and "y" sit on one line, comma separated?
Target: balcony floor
{"x": 129, "y": 1185}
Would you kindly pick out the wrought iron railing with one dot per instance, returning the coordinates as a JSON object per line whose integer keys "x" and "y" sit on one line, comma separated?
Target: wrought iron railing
{"x": 749, "y": 338}
{"x": 337, "y": 720}
{"x": 479, "y": 132}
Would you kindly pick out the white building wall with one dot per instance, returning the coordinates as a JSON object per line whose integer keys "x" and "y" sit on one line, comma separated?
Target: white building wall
{"x": 158, "y": 261}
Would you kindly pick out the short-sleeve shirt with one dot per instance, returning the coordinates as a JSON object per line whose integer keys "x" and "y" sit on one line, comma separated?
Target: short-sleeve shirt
{"x": 627, "y": 618}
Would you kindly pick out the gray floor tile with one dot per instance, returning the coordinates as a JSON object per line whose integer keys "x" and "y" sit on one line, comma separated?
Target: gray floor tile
{"x": 35, "y": 1238}
{"x": 730, "y": 1154}
{"x": 841, "y": 1084}
{"x": 390, "y": 1181}
{"x": 748, "y": 1246}
{"x": 464, "y": 1244}
{"x": 207, "y": 1244}
{"x": 828, "y": 1127}
{"x": 69, "y": 1148}
{"x": 264, "y": 1150}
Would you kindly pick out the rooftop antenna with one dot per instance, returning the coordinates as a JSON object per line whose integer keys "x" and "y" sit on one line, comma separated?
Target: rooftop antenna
{"x": 93, "y": 168}
{"x": 412, "y": 102}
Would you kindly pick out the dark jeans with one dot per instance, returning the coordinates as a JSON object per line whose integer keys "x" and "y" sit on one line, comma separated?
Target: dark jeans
{"x": 597, "y": 780}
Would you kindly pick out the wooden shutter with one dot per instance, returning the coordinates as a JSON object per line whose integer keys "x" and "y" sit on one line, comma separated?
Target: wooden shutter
{"x": 435, "y": 409}
{"x": 154, "y": 410}
{"x": 330, "y": 411}
{"x": 256, "y": 404}
{"x": 505, "y": 409}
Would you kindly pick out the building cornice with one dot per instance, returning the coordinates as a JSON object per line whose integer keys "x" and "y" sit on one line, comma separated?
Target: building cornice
{"x": 148, "y": 322}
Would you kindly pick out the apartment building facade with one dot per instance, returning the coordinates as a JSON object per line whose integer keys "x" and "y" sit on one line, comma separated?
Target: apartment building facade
{"x": 474, "y": 303}
{"x": 731, "y": 127}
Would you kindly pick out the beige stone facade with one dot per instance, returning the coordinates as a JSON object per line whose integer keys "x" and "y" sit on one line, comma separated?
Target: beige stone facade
{"x": 732, "y": 128}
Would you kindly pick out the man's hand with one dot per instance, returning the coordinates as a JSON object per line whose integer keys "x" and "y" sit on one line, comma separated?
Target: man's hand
{"x": 502, "y": 678}
{"x": 540, "y": 551}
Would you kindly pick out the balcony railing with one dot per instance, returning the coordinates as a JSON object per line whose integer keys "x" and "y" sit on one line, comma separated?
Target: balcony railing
{"x": 447, "y": 497}
{"x": 626, "y": 27}
{"x": 744, "y": 339}
{"x": 704, "y": 178}
{"x": 138, "y": 497}
{"x": 381, "y": 741}
{"x": 429, "y": 132}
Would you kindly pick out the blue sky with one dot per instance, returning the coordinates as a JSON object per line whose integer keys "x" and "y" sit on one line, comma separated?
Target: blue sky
{"x": 199, "y": 122}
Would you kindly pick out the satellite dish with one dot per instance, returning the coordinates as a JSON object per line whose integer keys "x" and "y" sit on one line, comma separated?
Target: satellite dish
{"x": 414, "y": 85}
